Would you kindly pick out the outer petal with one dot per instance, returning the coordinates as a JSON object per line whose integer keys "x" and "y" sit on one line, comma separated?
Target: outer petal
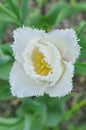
{"x": 64, "y": 85}
{"x": 66, "y": 42}
{"x": 22, "y": 84}
{"x": 22, "y": 37}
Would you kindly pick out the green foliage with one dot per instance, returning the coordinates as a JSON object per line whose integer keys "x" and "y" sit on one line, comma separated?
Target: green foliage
{"x": 12, "y": 124}
{"x": 24, "y": 11}
{"x": 57, "y": 14}
{"x": 7, "y": 12}
{"x": 49, "y": 19}
{"x": 55, "y": 110}
{"x": 74, "y": 127}
{"x": 74, "y": 109}
{"x": 4, "y": 70}
{"x": 24, "y": 123}
{"x": 6, "y": 48}
{"x": 13, "y": 7}
{"x": 80, "y": 66}
{"x": 83, "y": 48}
{"x": 32, "y": 116}
{"x": 70, "y": 10}
{"x": 81, "y": 28}
{"x": 80, "y": 69}
{"x": 8, "y": 16}
{"x": 6, "y": 61}
{"x": 3, "y": 28}
{"x": 5, "y": 93}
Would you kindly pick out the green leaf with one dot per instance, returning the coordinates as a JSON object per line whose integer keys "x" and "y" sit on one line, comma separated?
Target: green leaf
{"x": 4, "y": 58}
{"x": 69, "y": 114}
{"x": 6, "y": 19}
{"x": 11, "y": 124}
{"x": 40, "y": 2}
{"x": 22, "y": 123}
{"x": 5, "y": 54}
{"x": 60, "y": 11}
{"x": 5, "y": 70}
{"x": 6, "y": 48}
{"x": 36, "y": 110}
{"x": 47, "y": 21}
{"x": 54, "y": 12}
{"x": 80, "y": 69}
{"x": 9, "y": 121}
{"x": 68, "y": 11}
{"x": 7, "y": 11}
{"x": 55, "y": 110}
{"x": 81, "y": 29}
{"x": 8, "y": 15}
{"x": 81, "y": 126}
{"x": 55, "y": 114}
{"x": 3, "y": 28}
{"x": 13, "y": 7}
{"x": 82, "y": 43}
{"x": 24, "y": 10}
{"x": 5, "y": 92}
{"x": 37, "y": 122}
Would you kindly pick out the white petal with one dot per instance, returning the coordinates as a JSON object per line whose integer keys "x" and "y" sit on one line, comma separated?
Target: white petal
{"x": 22, "y": 84}
{"x": 66, "y": 42}
{"x": 64, "y": 85}
{"x": 22, "y": 37}
{"x": 52, "y": 56}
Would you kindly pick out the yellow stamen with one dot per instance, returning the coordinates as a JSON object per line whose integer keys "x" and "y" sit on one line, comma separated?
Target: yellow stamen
{"x": 41, "y": 67}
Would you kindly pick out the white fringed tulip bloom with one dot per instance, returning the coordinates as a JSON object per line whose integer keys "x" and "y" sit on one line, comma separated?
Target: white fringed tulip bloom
{"x": 44, "y": 62}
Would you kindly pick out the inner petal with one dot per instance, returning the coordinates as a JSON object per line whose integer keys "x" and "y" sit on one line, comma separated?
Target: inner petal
{"x": 41, "y": 66}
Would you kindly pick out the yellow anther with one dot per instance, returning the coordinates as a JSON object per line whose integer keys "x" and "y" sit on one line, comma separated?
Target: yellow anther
{"x": 41, "y": 67}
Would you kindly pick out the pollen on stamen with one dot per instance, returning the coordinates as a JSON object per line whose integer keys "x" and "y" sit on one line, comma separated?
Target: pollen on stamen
{"x": 41, "y": 67}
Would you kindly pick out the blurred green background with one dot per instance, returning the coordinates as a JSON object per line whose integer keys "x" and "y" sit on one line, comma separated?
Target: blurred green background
{"x": 42, "y": 113}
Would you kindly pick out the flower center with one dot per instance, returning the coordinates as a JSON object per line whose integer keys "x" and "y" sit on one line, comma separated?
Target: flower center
{"x": 41, "y": 67}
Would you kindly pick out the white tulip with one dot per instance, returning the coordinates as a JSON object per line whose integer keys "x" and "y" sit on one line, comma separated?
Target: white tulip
{"x": 44, "y": 62}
